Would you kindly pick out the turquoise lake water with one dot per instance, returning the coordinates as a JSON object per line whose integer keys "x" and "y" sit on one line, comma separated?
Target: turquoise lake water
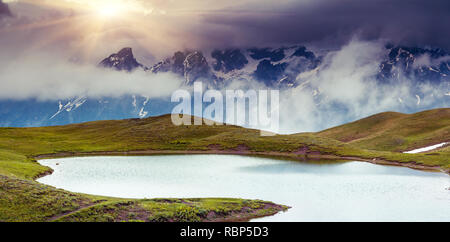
{"x": 319, "y": 191}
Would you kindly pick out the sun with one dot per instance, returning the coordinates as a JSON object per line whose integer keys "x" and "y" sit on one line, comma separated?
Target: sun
{"x": 108, "y": 11}
{"x": 111, "y": 8}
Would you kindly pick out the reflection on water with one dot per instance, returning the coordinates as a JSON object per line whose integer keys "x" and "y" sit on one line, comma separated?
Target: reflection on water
{"x": 316, "y": 191}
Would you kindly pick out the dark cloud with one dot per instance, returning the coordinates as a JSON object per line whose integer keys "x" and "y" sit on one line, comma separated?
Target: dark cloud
{"x": 4, "y": 9}
{"x": 196, "y": 24}
{"x": 405, "y": 21}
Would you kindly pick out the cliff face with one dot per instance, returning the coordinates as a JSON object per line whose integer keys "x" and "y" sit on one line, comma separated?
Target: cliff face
{"x": 123, "y": 60}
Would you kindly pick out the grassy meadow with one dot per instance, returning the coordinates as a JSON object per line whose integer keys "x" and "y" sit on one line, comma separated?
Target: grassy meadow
{"x": 380, "y": 137}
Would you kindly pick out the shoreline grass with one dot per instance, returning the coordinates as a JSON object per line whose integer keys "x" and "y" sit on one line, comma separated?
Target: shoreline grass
{"x": 20, "y": 147}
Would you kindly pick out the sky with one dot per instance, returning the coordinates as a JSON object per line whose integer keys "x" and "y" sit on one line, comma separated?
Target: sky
{"x": 4, "y": 10}
{"x": 159, "y": 27}
{"x": 50, "y": 48}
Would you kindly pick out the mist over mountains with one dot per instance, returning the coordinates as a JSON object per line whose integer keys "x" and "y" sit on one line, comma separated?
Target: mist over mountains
{"x": 281, "y": 67}
{"x": 318, "y": 88}
{"x": 333, "y": 61}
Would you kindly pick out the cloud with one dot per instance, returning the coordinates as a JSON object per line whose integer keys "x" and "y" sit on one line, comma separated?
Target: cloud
{"x": 40, "y": 77}
{"x": 4, "y": 9}
{"x": 50, "y": 53}
{"x": 413, "y": 22}
{"x": 345, "y": 89}
{"x": 426, "y": 60}
{"x": 200, "y": 24}
{"x": 342, "y": 89}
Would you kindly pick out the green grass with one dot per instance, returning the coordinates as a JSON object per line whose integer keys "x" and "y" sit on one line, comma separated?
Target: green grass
{"x": 175, "y": 210}
{"x": 25, "y": 200}
{"x": 17, "y": 165}
{"x": 395, "y": 131}
{"x": 380, "y": 136}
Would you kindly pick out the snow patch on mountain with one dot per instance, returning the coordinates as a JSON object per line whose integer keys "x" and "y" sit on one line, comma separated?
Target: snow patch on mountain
{"x": 69, "y": 106}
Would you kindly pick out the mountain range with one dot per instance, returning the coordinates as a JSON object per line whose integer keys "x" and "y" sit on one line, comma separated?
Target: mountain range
{"x": 274, "y": 67}
{"x": 279, "y": 67}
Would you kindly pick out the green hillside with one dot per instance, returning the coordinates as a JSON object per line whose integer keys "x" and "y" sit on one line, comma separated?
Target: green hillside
{"x": 395, "y": 131}
{"x": 375, "y": 139}
{"x": 28, "y": 201}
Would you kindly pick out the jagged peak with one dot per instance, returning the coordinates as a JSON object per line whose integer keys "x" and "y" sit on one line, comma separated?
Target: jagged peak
{"x": 125, "y": 52}
{"x": 122, "y": 60}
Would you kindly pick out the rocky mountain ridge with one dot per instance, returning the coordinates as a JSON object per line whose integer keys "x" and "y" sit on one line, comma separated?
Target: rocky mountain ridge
{"x": 274, "y": 67}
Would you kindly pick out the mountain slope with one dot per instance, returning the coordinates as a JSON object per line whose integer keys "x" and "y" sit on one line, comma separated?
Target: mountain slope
{"x": 19, "y": 146}
{"x": 423, "y": 64}
{"x": 122, "y": 61}
{"x": 278, "y": 68}
{"x": 24, "y": 200}
{"x": 29, "y": 201}
{"x": 395, "y": 131}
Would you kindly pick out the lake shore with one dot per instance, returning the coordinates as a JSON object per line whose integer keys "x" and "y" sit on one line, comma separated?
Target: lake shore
{"x": 20, "y": 147}
{"x": 305, "y": 186}
{"x": 301, "y": 155}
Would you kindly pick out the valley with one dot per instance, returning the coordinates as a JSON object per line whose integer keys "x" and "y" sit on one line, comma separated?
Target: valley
{"x": 362, "y": 140}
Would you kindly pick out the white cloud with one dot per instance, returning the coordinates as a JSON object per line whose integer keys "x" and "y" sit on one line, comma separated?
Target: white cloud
{"x": 46, "y": 78}
{"x": 348, "y": 90}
